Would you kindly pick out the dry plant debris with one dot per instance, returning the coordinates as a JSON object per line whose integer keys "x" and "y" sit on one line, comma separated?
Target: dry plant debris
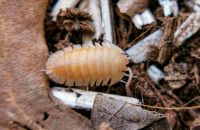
{"x": 24, "y": 90}
{"x": 156, "y": 44}
{"x": 82, "y": 99}
{"x": 171, "y": 44}
{"x": 73, "y": 19}
{"x": 62, "y": 4}
{"x": 132, "y": 7}
{"x": 166, "y": 41}
{"x": 121, "y": 115}
{"x": 187, "y": 29}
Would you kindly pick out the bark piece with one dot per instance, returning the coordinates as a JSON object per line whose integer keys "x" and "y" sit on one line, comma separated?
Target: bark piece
{"x": 139, "y": 52}
{"x": 137, "y": 10}
{"x": 169, "y": 7}
{"x": 155, "y": 74}
{"x": 132, "y": 7}
{"x": 25, "y": 102}
{"x": 121, "y": 115}
{"x": 144, "y": 18}
{"x": 166, "y": 41}
{"x": 188, "y": 28}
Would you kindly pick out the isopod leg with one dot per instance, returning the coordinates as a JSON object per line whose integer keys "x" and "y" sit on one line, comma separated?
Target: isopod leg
{"x": 128, "y": 90}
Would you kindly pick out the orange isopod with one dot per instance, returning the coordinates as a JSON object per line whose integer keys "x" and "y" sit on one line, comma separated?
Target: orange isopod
{"x": 89, "y": 64}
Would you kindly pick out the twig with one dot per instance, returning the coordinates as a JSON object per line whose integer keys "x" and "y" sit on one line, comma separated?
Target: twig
{"x": 106, "y": 20}
{"x": 171, "y": 108}
{"x": 192, "y": 100}
{"x": 137, "y": 10}
{"x": 169, "y": 7}
{"x": 144, "y": 18}
{"x": 81, "y": 99}
{"x": 93, "y": 7}
{"x": 155, "y": 74}
{"x": 131, "y": 43}
{"x": 166, "y": 41}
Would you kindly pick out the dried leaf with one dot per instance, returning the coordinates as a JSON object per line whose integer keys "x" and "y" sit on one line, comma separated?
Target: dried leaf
{"x": 25, "y": 102}
{"x": 73, "y": 19}
{"x": 121, "y": 115}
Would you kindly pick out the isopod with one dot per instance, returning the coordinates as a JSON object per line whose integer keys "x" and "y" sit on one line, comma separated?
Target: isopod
{"x": 89, "y": 64}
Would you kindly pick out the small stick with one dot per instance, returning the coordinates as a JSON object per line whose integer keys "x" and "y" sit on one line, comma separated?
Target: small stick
{"x": 140, "y": 35}
{"x": 155, "y": 74}
{"x": 166, "y": 41}
{"x": 171, "y": 108}
{"x": 106, "y": 20}
{"x": 169, "y": 7}
{"x": 81, "y": 99}
{"x": 144, "y": 18}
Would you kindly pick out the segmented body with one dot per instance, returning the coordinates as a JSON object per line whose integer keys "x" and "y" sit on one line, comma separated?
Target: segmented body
{"x": 87, "y": 65}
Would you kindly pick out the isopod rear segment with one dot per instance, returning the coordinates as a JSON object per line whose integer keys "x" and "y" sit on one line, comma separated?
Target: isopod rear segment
{"x": 87, "y": 65}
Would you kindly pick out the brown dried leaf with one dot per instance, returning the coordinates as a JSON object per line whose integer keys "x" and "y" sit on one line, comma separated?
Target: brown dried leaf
{"x": 25, "y": 102}
{"x": 121, "y": 115}
{"x": 74, "y": 19}
{"x": 74, "y": 13}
